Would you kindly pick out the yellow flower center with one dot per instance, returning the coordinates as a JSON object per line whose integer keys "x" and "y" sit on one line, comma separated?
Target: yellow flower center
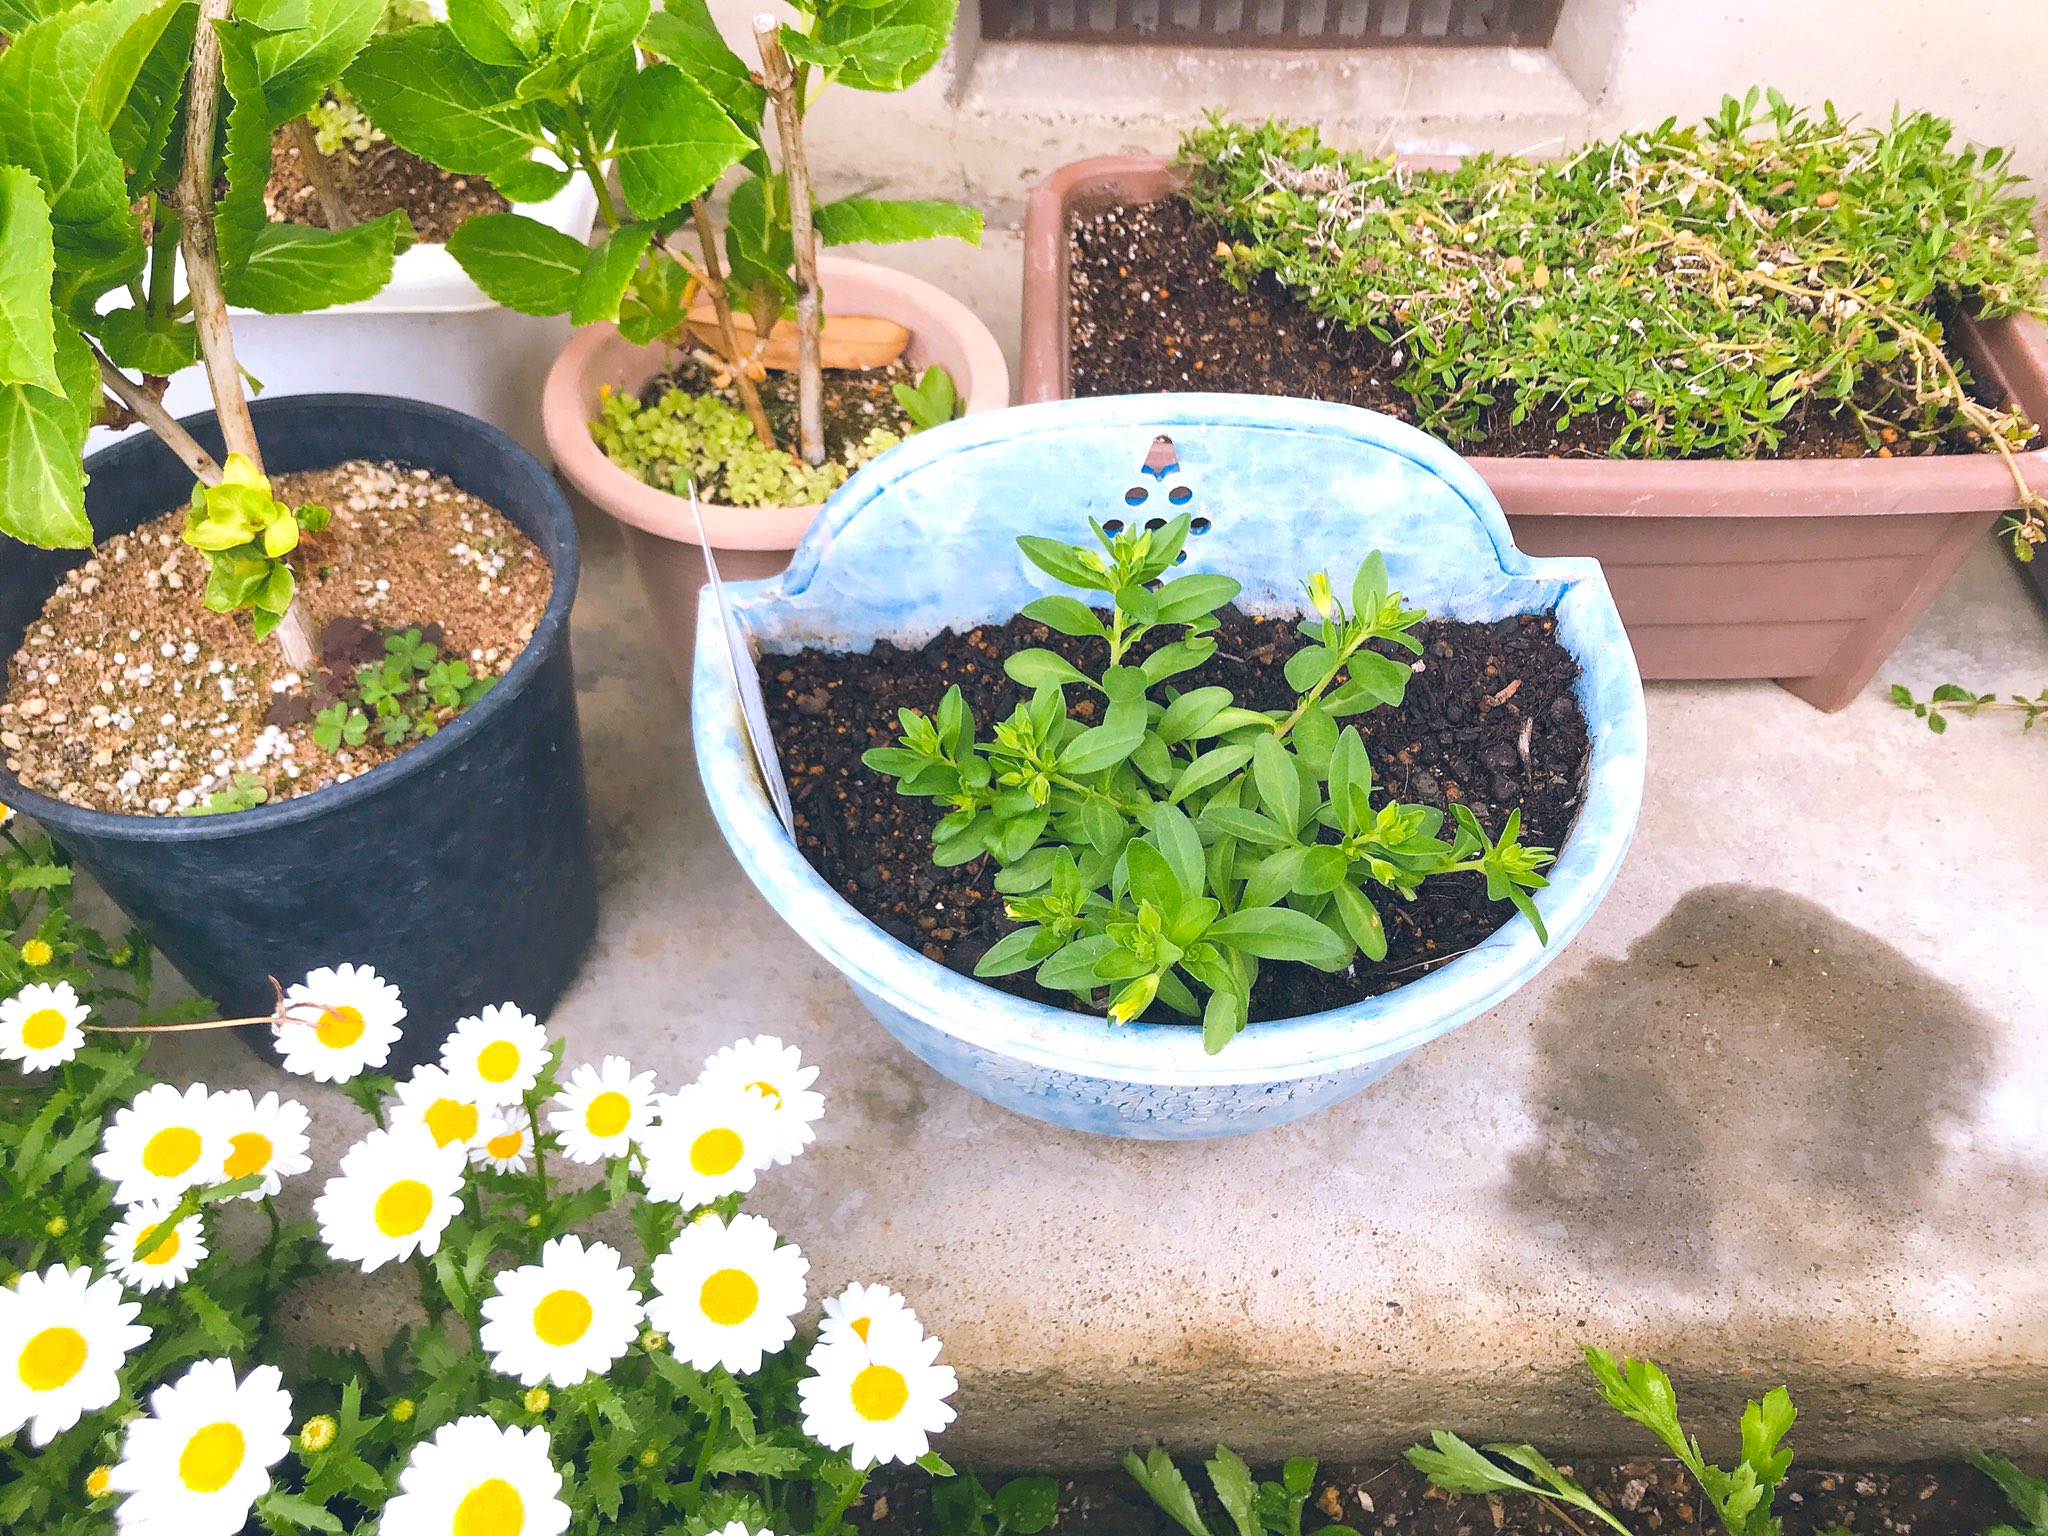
{"x": 340, "y": 1027}
{"x": 860, "y": 1326}
{"x": 451, "y": 1120}
{"x": 729, "y": 1297}
{"x": 37, "y": 952}
{"x": 717, "y": 1151}
{"x": 608, "y": 1113}
{"x": 171, "y": 1151}
{"x": 496, "y": 1062}
{"x": 403, "y": 1208}
{"x": 250, "y": 1153}
{"x": 769, "y": 1092}
{"x": 879, "y": 1393}
{"x": 505, "y": 1146}
{"x": 98, "y": 1481}
{"x": 163, "y": 1252}
{"x": 50, "y": 1359}
{"x": 491, "y": 1508}
{"x": 562, "y": 1317}
{"x": 42, "y": 1029}
{"x": 212, "y": 1457}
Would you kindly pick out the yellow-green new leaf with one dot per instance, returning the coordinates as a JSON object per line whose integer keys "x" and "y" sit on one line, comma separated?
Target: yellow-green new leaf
{"x": 28, "y": 336}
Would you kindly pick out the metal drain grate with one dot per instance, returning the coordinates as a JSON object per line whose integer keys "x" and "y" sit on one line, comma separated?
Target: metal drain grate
{"x": 1277, "y": 23}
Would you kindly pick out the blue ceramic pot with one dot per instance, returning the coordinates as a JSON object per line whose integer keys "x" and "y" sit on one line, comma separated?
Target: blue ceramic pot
{"x": 925, "y": 539}
{"x": 461, "y": 869}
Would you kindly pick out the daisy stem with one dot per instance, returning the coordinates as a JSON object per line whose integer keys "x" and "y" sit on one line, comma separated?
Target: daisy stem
{"x": 710, "y": 1442}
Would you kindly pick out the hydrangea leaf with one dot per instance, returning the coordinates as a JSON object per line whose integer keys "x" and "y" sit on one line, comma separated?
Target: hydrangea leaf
{"x": 891, "y": 221}
{"x": 683, "y": 32}
{"x": 421, "y": 87}
{"x": 42, "y": 450}
{"x": 293, "y": 268}
{"x": 298, "y": 65}
{"x": 520, "y": 262}
{"x": 28, "y": 264}
{"x": 673, "y": 141}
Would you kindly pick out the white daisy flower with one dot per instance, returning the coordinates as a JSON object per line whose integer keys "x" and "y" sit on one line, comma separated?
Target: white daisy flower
{"x": 63, "y": 1339}
{"x": 434, "y": 1101}
{"x": 725, "y": 1294}
{"x": 348, "y": 1028}
{"x": 708, "y": 1142}
{"x": 776, "y": 1072}
{"x": 161, "y": 1143}
{"x": 739, "y": 1528}
{"x": 855, "y": 1311}
{"x": 199, "y": 1462}
{"x": 395, "y": 1194}
{"x": 496, "y": 1056}
{"x": 39, "y": 1025}
{"x": 878, "y": 1400}
{"x": 165, "y": 1265}
{"x": 265, "y": 1136}
{"x": 604, "y": 1110}
{"x": 475, "y": 1477}
{"x": 563, "y": 1319}
{"x": 505, "y": 1143}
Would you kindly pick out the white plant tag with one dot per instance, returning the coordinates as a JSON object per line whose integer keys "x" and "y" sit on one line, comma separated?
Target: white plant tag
{"x": 747, "y": 681}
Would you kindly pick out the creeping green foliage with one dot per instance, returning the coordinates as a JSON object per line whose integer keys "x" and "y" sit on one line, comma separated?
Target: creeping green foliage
{"x": 408, "y": 695}
{"x": 244, "y": 792}
{"x": 1954, "y": 697}
{"x": 2027, "y": 1494}
{"x": 1166, "y": 849}
{"x": 1254, "y": 1508}
{"x": 931, "y": 401}
{"x": 683, "y": 439}
{"x": 1694, "y": 289}
{"x": 245, "y": 534}
{"x": 1638, "y": 1390}
{"x": 961, "y": 1506}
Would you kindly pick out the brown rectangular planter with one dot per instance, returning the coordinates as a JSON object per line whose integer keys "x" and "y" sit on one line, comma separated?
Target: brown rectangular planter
{"x": 1806, "y": 571}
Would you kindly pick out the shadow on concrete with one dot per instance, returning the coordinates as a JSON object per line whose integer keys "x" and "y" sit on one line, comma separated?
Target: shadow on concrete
{"x": 1756, "y": 1086}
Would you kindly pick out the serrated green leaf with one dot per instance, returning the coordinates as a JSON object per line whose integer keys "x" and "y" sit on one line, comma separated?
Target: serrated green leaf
{"x": 42, "y": 448}
{"x": 607, "y": 271}
{"x": 1235, "y": 1491}
{"x": 423, "y": 89}
{"x": 299, "y": 65}
{"x": 294, "y": 268}
{"x": 28, "y": 266}
{"x": 683, "y": 32}
{"x": 888, "y": 46}
{"x": 520, "y": 262}
{"x": 673, "y": 141}
{"x": 135, "y": 340}
{"x": 892, "y": 221}
{"x": 1162, "y": 1480}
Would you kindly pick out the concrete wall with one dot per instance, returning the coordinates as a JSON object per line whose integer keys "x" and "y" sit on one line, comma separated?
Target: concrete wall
{"x": 995, "y": 117}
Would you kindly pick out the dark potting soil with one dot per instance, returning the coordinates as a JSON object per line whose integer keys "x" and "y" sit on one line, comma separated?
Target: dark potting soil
{"x": 853, "y": 403}
{"x": 1151, "y": 312}
{"x": 1652, "y": 1497}
{"x": 1490, "y": 719}
{"x": 374, "y": 181}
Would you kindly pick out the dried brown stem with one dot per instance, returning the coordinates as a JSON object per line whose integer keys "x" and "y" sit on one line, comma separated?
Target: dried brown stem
{"x": 712, "y": 280}
{"x": 780, "y": 82}
{"x": 333, "y": 206}
{"x": 149, "y": 410}
{"x": 202, "y": 280}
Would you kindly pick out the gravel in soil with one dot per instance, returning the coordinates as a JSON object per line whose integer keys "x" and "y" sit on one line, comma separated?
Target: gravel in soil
{"x": 1151, "y": 312}
{"x": 1490, "y": 718}
{"x": 128, "y": 695}
{"x": 374, "y": 181}
{"x": 854, "y": 401}
{"x": 1649, "y": 1495}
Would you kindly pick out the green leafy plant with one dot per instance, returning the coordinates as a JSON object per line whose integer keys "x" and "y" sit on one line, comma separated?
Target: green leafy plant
{"x": 1023, "y": 1506}
{"x": 1694, "y": 288}
{"x": 1255, "y": 1508}
{"x": 410, "y": 694}
{"x": 931, "y": 401}
{"x": 1954, "y": 698}
{"x": 1638, "y": 1390}
{"x": 1181, "y": 839}
{"x": 2027, "y": 1494}
{"x": 534, "y": 92}
{"x": 243, "y": 792}
{"x": 246, "y": 533}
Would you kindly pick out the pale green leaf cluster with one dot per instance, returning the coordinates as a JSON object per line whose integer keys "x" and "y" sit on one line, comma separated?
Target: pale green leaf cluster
{"x": 1254, "y": 1508}
{"x": 245, "y": 534}
{"x": 1166, "y": 850}
{"x": 91, "y": 101}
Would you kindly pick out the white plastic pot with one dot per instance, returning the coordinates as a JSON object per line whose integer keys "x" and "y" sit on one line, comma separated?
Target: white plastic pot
{"x": 431, "y": 334}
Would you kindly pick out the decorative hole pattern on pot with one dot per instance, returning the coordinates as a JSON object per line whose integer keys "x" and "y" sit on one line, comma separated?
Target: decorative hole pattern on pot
{"x": 1180, "y": 495}
{"x": 1154, "y": 524}
{"x": 1113, "y": 527}
{"x": 1135, "y": 496}
{"x": 1199, "y": 525}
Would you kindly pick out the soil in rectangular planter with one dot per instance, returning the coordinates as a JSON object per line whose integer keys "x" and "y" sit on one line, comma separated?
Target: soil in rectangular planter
{"x": 1652, "y": 1496}
{"x": 372, "y": 183}
{"x": 1490, "y": 719}
{"x": 1151, "y": 312}
{"x": 128, "y": 695}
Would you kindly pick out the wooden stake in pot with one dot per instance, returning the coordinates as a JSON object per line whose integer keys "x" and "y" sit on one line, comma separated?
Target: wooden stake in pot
{"x": 202, "y": 278}
{"x": 780, "y": 82}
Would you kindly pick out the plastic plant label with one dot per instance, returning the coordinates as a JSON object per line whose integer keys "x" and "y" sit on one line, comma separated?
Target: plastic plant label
{"x": 746, "y": 681}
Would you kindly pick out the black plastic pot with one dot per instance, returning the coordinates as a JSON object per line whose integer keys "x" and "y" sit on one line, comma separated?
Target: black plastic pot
{"x": 461, "y": 870}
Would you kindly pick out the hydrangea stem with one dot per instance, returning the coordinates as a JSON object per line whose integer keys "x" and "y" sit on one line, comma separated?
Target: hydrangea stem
{"x": 796, "y": 174}
{"x": 333, "y": 206}
{"x": 721, "y": 304}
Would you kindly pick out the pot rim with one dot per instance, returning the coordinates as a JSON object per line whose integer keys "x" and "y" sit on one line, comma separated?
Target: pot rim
{"x": 61, "y": 816}
{"x": 667, "y": 515}
{"x": 1084, "y": 1045}
{"x": 2013, "y": 349}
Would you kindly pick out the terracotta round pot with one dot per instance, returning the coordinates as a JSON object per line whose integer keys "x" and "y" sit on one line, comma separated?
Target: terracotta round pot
{"x": 750, "y": 541}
